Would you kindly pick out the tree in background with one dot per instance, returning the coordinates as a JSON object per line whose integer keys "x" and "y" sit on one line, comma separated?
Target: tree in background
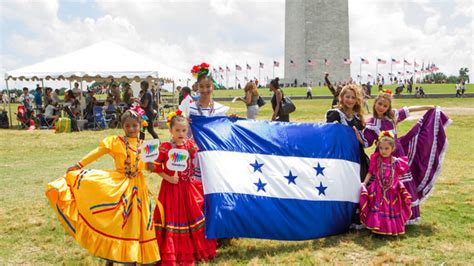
{"x": 464, "y": 74}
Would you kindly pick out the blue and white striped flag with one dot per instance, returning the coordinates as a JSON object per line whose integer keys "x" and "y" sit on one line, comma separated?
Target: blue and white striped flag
{"x": 270, "y": 180}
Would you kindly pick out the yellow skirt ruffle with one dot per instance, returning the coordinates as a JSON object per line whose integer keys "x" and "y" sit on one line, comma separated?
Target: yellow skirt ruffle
{"x": 109, "y": 214}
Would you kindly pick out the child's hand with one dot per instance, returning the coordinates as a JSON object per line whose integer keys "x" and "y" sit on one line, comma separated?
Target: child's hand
{"x": 73, "y": 168}
{"x": 150, "y": 167}
{"x": 173, "y": 179}
{"x": 359, "y": 138}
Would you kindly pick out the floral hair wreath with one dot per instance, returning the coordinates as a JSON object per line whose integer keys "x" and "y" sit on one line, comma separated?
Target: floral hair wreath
{"x": 171, "y": 115}
{"x": 201, "y": 69}
{"x": 137, "y": 111}
{"x": 386, "y": 134}
{"x": 387, "y": 91}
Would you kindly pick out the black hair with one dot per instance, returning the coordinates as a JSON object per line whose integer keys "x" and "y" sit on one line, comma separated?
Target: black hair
{"x": 186, "y": 89}
{"x": 275, "y": 83}
{"x": 144, "y": 85}
{"x": 177, "y": 118}
{"x": 204, "y": 75}
{"x": 25, "y": 88}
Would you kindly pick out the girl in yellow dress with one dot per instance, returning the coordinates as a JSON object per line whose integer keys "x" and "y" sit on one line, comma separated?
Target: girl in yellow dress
{"x": 108, "y": 211}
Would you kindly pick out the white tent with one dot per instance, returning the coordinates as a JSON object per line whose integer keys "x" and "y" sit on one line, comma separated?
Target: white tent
{"x": 101, "y": 61}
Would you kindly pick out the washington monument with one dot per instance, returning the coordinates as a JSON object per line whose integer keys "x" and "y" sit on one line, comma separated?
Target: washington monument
{"x": 316, "y": 30}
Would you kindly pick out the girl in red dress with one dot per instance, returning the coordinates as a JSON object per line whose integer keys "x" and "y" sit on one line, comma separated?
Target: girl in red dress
{"x": 179, "y": 224}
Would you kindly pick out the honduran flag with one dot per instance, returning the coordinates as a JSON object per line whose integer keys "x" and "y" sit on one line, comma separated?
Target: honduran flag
{"x": 272, "y": 180}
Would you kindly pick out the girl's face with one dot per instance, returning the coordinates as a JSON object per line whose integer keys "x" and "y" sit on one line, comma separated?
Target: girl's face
{"x": 205, "y": 87}
{"x": 179, "y": 132}
{"x": 349, "y": 99}
{"x": 385, "y": 149}
{"x": 381, "y": 106}
{"x": 131, "y": 127}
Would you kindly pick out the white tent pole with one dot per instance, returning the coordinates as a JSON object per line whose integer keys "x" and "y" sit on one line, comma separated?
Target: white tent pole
{"x": 9, "y": 103}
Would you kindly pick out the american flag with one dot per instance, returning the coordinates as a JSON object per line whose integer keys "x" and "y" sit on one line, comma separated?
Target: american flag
{"x": 434, "y": 68}
{"x": 246, "y": 79}
{"x": 347, "y": 61}
{"x": 369, "y": 75}
{"x": 416, "y": 64}
{"x": 261, "y": 64}
{"x": 381, "y": 61}
{"x": 277, "y": 64}
{"x": 249, "y": 67}
{"x": 238, "y": 68}
{"x": 214, "y": 69}
{"x": 364, "y": 61}
{"x": 222, "y": 77}
{"x": 237, "y": 78}
{"x": 327, "y": 62}
{"x": 227, "y": 68}
{"x": 406, "y": 62}
{"x": 395, "y": 61}
{"x": 408, "y": 72}
{"x": 400, "y": 73}
{"x": 221, "y": 69}
{"x": 310, "y": 62}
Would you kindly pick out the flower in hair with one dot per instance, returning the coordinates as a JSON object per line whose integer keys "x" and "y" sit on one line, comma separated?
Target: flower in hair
{"x": 171, "y": 115}
{"x": 386, "y": 134}
{"x": 136, "y": 108}
{"x": 201, "y": 69}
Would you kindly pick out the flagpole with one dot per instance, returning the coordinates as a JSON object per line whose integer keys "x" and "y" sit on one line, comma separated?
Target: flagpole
{"x": 391, "y": 69}
{"x": 414, "y": 73}
{"x": 404, "y": 78}
{"x": 376, "y": 70}
{"x": 226, "y": 77}
{"x": 259, "y": 77}
{"x": 360, "y": 71}
{"x": 247, "y": 70}
{"x": 273, "y": 69}
{"x": 235, "y": 80}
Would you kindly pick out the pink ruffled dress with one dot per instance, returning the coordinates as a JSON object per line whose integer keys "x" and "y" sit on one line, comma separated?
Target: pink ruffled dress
{"x": 385, "y": 204}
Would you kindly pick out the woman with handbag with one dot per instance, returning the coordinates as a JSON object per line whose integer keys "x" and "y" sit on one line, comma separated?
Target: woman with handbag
{"x": 277, "y": 102}
{"x": 251, "y": 100}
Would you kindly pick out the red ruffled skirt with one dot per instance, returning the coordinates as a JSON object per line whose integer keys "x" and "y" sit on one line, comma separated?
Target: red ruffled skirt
{"x": 179, "y": 224}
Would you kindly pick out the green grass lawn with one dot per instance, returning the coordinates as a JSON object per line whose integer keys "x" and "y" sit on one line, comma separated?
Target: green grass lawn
{"x": 30, "y": 233}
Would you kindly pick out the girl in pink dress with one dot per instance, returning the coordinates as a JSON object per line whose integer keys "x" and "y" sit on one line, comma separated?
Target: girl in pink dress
{"x": 385, "y": 203}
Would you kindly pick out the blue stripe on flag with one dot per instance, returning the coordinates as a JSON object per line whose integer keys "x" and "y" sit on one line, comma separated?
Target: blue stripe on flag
{"x": 309, "y": 140}
{"x": 250, "y": 216}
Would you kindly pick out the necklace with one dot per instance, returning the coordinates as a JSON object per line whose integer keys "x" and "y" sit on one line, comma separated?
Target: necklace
{"x": 130, "y": 171}
{"x": 211, "y": 107}
{"x": 385, "y": 183}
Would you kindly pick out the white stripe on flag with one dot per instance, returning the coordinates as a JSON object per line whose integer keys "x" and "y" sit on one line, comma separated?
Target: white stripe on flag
{"x": 231, "y": 172}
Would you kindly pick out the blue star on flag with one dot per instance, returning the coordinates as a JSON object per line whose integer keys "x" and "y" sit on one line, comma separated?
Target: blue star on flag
{"x": 321, "y": 189}
{"x": 319, "y": 169}
{"x": 291, "y": 178}
{"x": 257, "y": 166}
{"x": 260, "y": 185}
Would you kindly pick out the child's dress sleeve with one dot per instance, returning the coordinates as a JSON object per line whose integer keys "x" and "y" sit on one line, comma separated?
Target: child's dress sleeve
{"x": 373, "y": 163}
{"x": 333, "y": 116}
{"x": 105, "y": 147}
{"x": 162, "y": 157}
{"x": 369, "y": 136}
{"x": 401, "y": 114}
{"x": 401, "y": 165}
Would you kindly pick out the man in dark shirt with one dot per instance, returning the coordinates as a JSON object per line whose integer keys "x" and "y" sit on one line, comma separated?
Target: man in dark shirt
{"x": 146, "y": 103}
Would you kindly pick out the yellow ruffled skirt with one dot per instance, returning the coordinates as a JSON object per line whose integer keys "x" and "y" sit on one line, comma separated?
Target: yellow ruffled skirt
{"x": 109, "y": 214}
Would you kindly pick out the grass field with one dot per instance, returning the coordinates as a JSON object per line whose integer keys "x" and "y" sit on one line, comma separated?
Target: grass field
{"x": 30, "y": 233}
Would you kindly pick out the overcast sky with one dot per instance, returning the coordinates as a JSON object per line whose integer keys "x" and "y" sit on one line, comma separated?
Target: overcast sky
{"x": 182, "y": 33}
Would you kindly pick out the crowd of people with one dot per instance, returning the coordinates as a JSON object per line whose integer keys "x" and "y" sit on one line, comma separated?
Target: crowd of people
{"x": 44, "y": 107}
{"x": 112, "y": 216}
